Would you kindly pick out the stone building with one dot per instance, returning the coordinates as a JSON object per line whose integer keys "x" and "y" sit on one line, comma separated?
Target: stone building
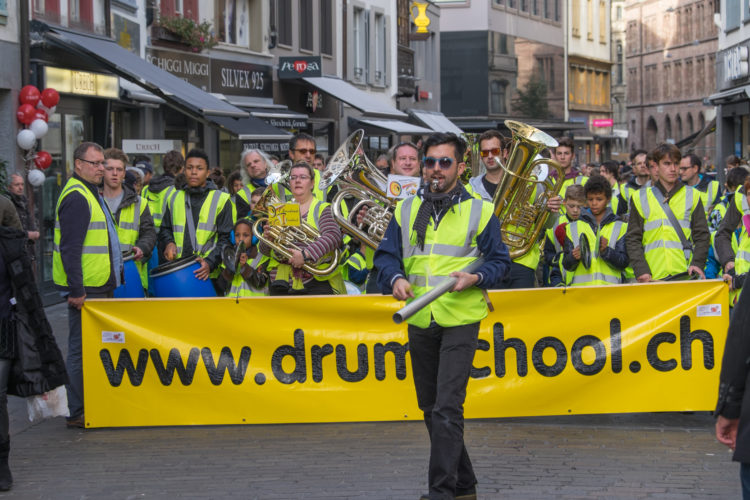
{"x": 671, "y": 60}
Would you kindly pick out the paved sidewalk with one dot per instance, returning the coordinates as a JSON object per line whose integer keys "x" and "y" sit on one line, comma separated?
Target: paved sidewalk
{"x": 668, "y": 456}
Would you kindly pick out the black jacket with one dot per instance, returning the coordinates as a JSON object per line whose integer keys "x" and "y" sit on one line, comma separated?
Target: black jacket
{"x": 74, "y": 215}
{"x": 146, "y": 230}
{"x": 734, "y": 401}
{"x": 38, "y": 365}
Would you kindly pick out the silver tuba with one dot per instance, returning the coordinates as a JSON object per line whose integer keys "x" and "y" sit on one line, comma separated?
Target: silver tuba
{"x": 356, "y": 177}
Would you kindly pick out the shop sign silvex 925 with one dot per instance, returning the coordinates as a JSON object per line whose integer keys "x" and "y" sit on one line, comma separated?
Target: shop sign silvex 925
{"x": 299, "y": 67}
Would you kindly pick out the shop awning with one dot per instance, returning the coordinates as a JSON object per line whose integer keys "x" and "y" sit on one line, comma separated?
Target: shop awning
{"x": 251, "y": 129}
{"x": 137, "y": 93}
{"x": 348, "y": 93}
{"x": 735, "y": 94}
{"x": 176, "y": 92}
{"x": 396, "y": 126}
{"x": 435, "y": 120}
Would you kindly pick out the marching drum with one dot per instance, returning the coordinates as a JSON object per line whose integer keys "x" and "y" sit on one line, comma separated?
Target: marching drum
{"x": 176, "y": 279}
{"x": 132, "y": 288}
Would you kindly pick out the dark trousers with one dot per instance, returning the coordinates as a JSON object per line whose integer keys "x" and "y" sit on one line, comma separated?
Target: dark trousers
{"x": 312, "y": 287}
{"x": 441, "y": 359}
{"x": 74, "y": 363}
{"x": 519, "y": 277}
{"x": 4, "y": 376}
{"x": 745, "y": 480}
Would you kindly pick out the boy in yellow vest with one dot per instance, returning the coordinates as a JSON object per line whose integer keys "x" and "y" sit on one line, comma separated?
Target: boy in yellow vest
{"x": 198, "y": 221}
{"x": 575, "y": 201}
{"x": 135, "y": 227}
{"x": 667, "y": 231}
{"x": 604, "y": 231}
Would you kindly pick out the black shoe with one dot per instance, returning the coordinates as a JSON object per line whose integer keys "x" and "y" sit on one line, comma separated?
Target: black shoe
{"x": 76, "y": 422}
{"x": 466, "y": 494}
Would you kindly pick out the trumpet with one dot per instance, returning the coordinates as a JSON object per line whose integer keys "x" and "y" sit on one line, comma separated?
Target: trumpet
{"x": 285, "y": 239}
{"x": 521, "y": 210}
{"x": 356, "y": 177}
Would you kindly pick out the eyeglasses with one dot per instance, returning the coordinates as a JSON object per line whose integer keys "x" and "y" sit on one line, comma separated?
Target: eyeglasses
{"x": 94, "y": 163}
{"x": 487, "y": 152}
{"x": 306, "y": 151}
{"x": 298, "y": 177}
{"x": 444, "y": 162}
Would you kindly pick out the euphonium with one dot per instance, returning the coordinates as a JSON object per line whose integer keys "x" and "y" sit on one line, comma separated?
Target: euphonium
{"x": 356, "y": 177}
{"x": 285, "y": 239}
{"x": 521, "y": 209}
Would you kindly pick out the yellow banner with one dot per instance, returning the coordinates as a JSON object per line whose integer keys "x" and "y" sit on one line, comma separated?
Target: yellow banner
{"x": 629, "y": 348}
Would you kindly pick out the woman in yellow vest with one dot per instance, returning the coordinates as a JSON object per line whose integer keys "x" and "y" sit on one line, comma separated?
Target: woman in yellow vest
{"x": 604, "y": 232}
{"x": 287, "y": 276}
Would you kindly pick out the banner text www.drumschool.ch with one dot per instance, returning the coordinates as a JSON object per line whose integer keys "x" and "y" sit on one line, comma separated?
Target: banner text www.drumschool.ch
{"x": 548, "y": 356}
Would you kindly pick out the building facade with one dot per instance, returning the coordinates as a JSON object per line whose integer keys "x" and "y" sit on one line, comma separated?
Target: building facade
{"x": 732, "y": 92}
{"x": 671, "y": 67}
{"x": 589, "y": 71}
{"x": 618, "y": 92}
{"x": 10, "y": 83}
{"x": 503, "y": 59}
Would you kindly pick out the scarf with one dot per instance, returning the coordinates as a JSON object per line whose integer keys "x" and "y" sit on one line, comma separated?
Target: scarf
{"x": 433, "y": 203}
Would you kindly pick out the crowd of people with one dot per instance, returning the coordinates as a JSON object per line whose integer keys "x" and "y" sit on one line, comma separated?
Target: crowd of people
{"x": 657, "y": 217}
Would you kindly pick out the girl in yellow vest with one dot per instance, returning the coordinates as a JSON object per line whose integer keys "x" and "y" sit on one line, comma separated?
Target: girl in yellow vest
{"x": 249, "y": 278}
{"x": 287, "y": 277}
{"x": 605, "y": 233}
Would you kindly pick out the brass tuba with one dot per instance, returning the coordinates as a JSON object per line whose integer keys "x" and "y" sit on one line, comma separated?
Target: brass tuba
{"x": 522, "y": 210}
{"x": 285, "y": 239}
{"x": 356, "y": 177}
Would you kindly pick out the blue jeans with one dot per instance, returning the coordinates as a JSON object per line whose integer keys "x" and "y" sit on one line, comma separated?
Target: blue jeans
{"x": 441, "y": 359}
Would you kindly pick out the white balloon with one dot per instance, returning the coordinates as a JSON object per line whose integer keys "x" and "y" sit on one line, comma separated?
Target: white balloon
{"x": 26, "y": 139}
{"x": 51, "y": 111}
{"x": 39, "y": 127}
{"x": 36, "y": 177}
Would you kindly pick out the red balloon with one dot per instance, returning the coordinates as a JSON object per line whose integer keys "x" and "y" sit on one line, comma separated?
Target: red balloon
{"x": 29, "y": 95}
{"x": 26, "y": 113}
{"x": 40, "y": 114}
{"x": 50, "y": 97}
{"x": 43, "y": 160}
